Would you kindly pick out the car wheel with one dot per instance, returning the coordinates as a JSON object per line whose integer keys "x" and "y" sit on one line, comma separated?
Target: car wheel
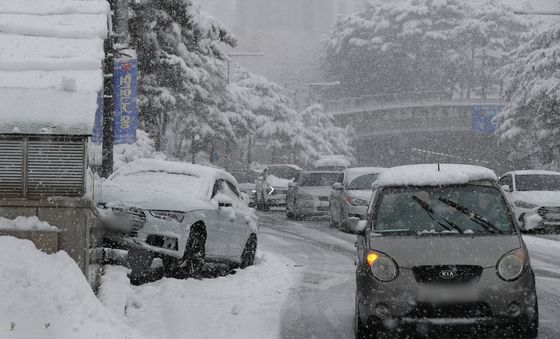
{"x": 249, "y": 252}
{"x": 193, "y": 258}
{"x": 139, "y": 259}
{"x": 360, "y": 330}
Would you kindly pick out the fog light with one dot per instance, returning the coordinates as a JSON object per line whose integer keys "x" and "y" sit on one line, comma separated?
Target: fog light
{"x": 514, "y": 309}
{"x": 382, "y": 311}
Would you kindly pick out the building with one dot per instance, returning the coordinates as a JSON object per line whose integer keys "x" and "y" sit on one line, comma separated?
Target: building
{"x": 50, "y": 78}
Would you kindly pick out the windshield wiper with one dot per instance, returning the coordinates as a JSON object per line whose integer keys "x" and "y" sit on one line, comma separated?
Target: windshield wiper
{"x": 487, "y": 225}
{"x": 450, "y": 225}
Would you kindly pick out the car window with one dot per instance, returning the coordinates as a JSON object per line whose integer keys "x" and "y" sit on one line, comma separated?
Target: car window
{"x": 538, "y": 182}
{"x": 318, "y": 179}
{"x": 431, "y": 209}
{"x": 362, "y": 182}
{"x": 506, "y": 180}
{"x": 233, "y": 189}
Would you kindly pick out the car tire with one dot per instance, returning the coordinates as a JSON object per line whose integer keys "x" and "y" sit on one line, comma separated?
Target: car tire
{"x": 360, "y": 330}
{"x": 249, "y": 252}
{"x": 139, "y": 259}
{"x": 192, "y": 262}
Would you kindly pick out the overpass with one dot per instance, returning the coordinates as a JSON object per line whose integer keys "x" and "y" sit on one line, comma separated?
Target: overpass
{"x": 419, "y": 127}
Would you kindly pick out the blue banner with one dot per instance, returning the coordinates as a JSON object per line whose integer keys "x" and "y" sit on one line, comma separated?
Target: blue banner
{"x": 126, "y": 114}
{"x": 124, "y": 100}
{"x": 481, "y": 118}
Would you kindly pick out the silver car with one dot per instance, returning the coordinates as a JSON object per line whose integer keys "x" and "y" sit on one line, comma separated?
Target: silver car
{"x": 351, "y": 193}
{"x": 440, "y": 247}
{"x": 272, "y": 186}
{"x": 308, "y": 194}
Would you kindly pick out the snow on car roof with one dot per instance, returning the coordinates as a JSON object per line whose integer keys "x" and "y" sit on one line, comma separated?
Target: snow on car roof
{"x": 51, "y": 75}
{"x": 535, "y": 172}
{"x": 173, "y": 167}
{"x": 296, "y": 167}
{"x": 333, "y": 161}
{"x": 434, "y": 175}
{"x": 358, "y": 171}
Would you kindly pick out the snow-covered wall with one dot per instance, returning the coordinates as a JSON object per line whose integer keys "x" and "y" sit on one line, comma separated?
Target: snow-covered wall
{"x": 51, "y": 55}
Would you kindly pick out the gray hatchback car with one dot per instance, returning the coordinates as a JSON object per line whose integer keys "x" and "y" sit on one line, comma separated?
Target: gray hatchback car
{"x": 440, "y": 247}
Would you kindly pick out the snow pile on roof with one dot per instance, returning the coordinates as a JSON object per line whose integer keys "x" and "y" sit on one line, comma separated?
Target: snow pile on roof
{"x": 334, "y": 160}
{"x": 47, "y": 296}
{"x": 245, "y": 305}
{"x": 50, "y": 64}
{"x": 434, "y": 175}
{"x": 25, "y": 224}
{"x": 535, "y": 172}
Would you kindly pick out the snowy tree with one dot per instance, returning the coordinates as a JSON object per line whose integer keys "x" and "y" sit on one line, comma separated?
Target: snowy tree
{"x": 420, "y": 45}
{"x": 182, "y": 76}
{"x": 530, "y": 123}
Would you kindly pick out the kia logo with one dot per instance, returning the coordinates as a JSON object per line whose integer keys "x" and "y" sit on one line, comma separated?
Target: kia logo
{"x": 448, "y": 274}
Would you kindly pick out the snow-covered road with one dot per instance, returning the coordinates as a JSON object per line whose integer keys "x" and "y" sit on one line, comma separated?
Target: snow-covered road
{"x": 321, "y": 304}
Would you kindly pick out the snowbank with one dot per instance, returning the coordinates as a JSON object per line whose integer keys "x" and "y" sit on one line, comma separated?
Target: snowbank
{"x": 47, "y": 296}
{"x": 245, "y": 305}
{"x": 434, "y": 175}
{"x": 25, "y": 224}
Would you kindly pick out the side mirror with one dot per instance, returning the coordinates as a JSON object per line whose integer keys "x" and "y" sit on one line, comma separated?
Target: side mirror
{"x": 355, "y": 225}
{"x": 532, "y": 221}
{"x": 337, "y": 186}
{"x": 506, "y": 188}
{"x": 292, "y": 184}
{"x": 260, "y": 178}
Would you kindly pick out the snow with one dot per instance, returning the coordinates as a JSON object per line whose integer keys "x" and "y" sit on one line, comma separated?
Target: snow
{"x": 276, "y": 182}
{"x": 429, "y": 175}
{"x": 334, "y": 160}
{"x": 245, "y": 305}
{"x": 22, "y": 223}
{"x": 50, "y": 65}
{"x": 534, "y": 172}
{"x": 532, "y": 221}
{"x": 47, "y": 296}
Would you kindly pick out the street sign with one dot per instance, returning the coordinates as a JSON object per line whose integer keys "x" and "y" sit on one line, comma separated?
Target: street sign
{"x": 481, "y": 118}
{"x": 126, "y": 114}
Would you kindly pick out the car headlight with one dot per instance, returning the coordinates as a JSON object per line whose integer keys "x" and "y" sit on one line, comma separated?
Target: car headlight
{"x": 357, "y": 201}
{"x": 512, "y": 265}
{"x": 524, "y": 204}
{"x": 168, "y": 215}
{"x": 382, "y": 266}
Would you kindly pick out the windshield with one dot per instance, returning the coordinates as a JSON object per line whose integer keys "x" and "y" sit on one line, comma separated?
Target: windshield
{"x": 287, "y": 173}
{"x": 466, "y": 209}
{"x": 362, "y": 182}
{"x": 318, "y": 179}
{"x": 537, "y": 182}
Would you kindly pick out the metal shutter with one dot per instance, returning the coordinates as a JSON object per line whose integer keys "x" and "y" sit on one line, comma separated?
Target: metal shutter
{"x": 55, "y": 168}
{"x": 11, "y": 167}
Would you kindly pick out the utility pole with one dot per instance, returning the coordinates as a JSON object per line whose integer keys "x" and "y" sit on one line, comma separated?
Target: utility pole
{"x": 108, "y": 91}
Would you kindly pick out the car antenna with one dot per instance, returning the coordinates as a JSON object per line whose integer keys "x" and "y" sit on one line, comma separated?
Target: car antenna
{"x": 438, "y": 167}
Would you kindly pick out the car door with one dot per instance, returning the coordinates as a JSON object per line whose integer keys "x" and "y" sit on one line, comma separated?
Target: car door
{"x": 240, "y": 227}
{"x": 217, "y": 239}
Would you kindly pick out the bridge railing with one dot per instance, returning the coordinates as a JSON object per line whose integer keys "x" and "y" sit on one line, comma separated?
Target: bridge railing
{"x": 420, "y": 98}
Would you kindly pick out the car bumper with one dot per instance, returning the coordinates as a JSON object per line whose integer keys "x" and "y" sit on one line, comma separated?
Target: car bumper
{"x": 492, "y": 305}
{"x": 312, "y": 207}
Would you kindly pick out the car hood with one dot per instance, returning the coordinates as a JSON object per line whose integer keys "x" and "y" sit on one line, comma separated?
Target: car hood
{"x": 546, "y": 198}
{"x": 153, "y": 200}
{"x": 410, "y": 251}
{"x": 318, "y": 191}
{"x": 360, "y": 194}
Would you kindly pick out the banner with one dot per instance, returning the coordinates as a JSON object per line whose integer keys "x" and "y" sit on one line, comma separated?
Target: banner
{"x": 124, "y": 101}
{"x": 126, "y": 114}
{"x": 481, "y": 118}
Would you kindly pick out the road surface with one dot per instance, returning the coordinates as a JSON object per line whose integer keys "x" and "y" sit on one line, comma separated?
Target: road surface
{"x": 321, "y": 305}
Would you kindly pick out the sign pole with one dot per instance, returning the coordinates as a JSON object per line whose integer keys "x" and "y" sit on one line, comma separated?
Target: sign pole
{"x": 108, "y": 90}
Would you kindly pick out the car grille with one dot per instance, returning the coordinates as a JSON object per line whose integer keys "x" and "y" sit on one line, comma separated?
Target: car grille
{"x": 467, "y": 310}
{"x": 436, "y": 274}
{"x": 323, "y": 198}
{"x": 550, "y": 214}
{"x": 137, "y": 219}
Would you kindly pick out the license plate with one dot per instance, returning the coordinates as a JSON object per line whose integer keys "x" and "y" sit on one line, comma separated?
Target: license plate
{"x": 446, "y": 294}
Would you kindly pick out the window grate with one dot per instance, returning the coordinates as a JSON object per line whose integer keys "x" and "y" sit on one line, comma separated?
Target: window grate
{"x": 40, "y": 167}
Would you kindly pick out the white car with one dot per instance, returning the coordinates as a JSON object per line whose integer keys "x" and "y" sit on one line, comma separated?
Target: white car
{"x": 182, "y": 213}
{"x": 272, "y": 186}
{"x": 535, "y": 197}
